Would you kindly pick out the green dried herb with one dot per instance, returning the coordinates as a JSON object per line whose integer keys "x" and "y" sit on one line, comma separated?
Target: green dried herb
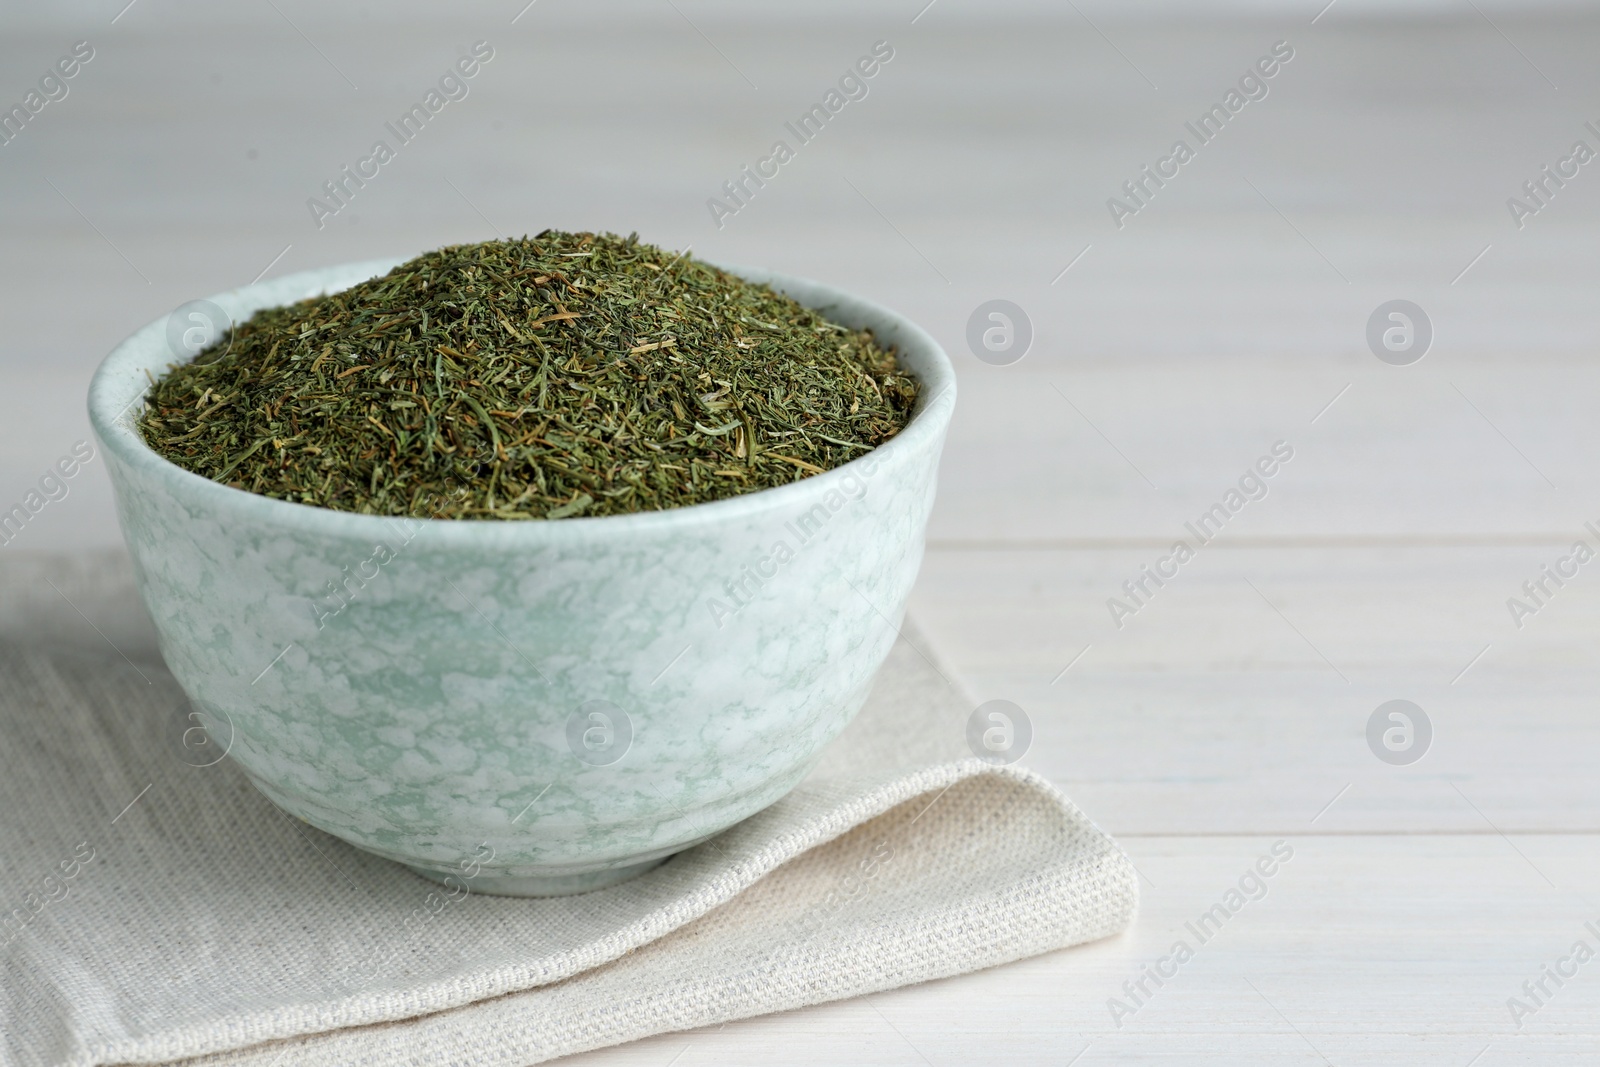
{"x": 564, "y": 374}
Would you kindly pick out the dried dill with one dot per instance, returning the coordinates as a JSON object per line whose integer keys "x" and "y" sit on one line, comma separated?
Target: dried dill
{"x": 552, "y": 376}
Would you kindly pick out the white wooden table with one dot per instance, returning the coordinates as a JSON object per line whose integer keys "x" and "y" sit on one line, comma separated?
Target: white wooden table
{"x": 1231, "y": 711}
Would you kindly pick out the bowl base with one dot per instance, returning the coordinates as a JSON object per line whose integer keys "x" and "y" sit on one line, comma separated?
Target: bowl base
{"x": 554, "y": 886}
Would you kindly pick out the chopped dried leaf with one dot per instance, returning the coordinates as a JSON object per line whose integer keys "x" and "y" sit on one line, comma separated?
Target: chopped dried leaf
{"x": 552, "y": 376}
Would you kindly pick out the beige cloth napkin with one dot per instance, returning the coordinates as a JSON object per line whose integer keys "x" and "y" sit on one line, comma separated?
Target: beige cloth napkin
{"x": 157, "y": 911}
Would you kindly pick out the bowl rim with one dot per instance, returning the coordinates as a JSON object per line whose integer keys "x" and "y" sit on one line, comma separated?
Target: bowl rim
{"x": 109, "y": 402}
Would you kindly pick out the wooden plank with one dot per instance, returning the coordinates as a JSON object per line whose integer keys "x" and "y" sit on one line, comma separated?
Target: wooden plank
{"x": 1440, "y": 449}
{"x": 1237, "y": 699}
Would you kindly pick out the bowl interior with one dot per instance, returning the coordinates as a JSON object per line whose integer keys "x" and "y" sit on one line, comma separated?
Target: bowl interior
{"x": 124, "y": 378}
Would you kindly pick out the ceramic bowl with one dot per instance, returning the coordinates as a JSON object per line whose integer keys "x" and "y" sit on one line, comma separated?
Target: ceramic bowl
{"x": 533, "y": 708}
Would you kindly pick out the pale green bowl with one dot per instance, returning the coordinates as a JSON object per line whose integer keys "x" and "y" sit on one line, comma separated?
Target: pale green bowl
{"x": 534, "y": 707}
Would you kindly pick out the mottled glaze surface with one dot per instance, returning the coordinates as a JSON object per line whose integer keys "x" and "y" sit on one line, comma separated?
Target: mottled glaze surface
{"x": 433, "y": 710}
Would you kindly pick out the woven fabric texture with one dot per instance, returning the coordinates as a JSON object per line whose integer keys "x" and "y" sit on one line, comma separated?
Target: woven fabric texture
{"x": 156, "y": 911}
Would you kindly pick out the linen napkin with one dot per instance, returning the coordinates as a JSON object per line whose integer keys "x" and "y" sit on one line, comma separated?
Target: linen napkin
{"x": 155, "y": 908}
